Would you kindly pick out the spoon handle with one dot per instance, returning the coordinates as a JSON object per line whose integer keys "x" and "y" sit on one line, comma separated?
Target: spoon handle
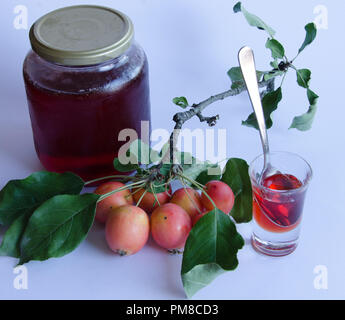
{"x": 247, "y": 64}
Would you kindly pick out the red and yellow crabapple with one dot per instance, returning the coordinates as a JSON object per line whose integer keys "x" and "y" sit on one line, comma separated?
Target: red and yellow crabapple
{"x": 127, "y": 230}
{"x": 189, "y": 200}
{"x": 148, "y": 201}
{"x": 117, "y": 199}
{"x": 221, "y": 194}
{"x": 170, "y": 226}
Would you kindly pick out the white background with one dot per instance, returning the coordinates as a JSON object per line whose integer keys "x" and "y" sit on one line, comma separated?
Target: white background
{"x": 190, "y": 45}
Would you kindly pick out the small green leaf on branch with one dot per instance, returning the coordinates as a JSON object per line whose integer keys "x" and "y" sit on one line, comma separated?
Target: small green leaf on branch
{"x": 237, "y": 177}
{"x": 311, "y": 32}
{"x": 277, "y": 50}
{"x": 138, "y": 153}
{"x": 124, "y": 167}
{"x": 181, "y": 102}
{"x": 303, "y": 77}
{"x": 213, "y": 172}
{"x": 269, "y": 104}
{"x": 236, "y": 77}
{"x": 273, "y": 74}
{"x": 274, "y": 64}
{"x": 254, "y": 20}
{"x": 305, "y": 121}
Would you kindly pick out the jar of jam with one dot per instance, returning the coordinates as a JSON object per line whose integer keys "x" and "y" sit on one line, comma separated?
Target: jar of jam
{"x": 86, "y": 80}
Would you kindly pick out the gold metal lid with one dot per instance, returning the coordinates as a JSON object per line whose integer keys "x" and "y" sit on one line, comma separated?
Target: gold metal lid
{"x": 81, "y": 35}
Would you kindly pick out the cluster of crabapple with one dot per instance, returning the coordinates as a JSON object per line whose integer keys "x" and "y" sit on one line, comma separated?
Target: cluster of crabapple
{"x": 131, "y": 215}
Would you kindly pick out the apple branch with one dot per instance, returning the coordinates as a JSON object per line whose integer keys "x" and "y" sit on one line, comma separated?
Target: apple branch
{"x": 181, "y": 118}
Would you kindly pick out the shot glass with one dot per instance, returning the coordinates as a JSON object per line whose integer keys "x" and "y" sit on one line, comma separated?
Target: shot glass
{"x": 278, "y": 203}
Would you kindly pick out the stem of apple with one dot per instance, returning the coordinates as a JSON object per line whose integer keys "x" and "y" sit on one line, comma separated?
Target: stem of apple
{"x": 190, "y": 198}
{"x": 126, "y": 187}
{"x": 136, "y": 191}
{"x": 141, "y": 198}
{"x": 155, "y": 195}
{"x": 198, "y": 186}
{"x": 120, "y": 177}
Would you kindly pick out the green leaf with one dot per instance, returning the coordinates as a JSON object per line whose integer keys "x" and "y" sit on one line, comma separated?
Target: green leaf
{"x": 277, "y": 50}
{"x": 274, "y": 64}
{"x": 196, "y": 169}
{"x": 213, "y": 172}
{"x": 143, "y": 152}
{"x": 138, "y": 153}
{"x": 237, "y": 7}
{"x": 124, "y": 167}
{"x": 236, "y": 77}
{"x": 305, "y": 121}
{"x": 235, "y": 74}
{"x": 186, "y": 159}
{"x": 156, "y": 187}
{"x": 269, "y": 103}
{"x": 210, "y": 250}
{"x": 303, "y": 77}
{"x": 200, "y": 171}
{"x": 57, "y": 227}
{"x": 254, "y": 20}
{"x": 273, "y": 74}
{"x": 311, "y": 31}
{"x": 10, "y": 245}
{"x": 236, "y": 176}
{"x": 312, "y": 97}
{"x": 165, "y": 170}
{"x": 21, "y": 197}
{"x": 181, "y": 102}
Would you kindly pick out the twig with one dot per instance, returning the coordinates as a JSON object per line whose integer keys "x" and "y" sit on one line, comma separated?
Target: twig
{"x": 196, "y": 110}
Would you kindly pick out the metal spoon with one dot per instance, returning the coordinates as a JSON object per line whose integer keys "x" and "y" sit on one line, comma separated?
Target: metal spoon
{"x": 247, "y": 64}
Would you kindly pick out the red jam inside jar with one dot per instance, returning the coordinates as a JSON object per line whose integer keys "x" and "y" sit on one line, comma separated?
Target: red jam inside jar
{"x": 79, "y": 101}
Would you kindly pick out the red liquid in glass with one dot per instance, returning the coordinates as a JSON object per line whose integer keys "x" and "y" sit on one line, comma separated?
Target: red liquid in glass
{"x": 279, "y": 212}
{"x": 76, "y": 126}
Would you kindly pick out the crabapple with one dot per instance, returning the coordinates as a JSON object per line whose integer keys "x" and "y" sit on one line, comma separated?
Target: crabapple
{"x": 188, "y": 199}
{"x": 127, "y": 230}
{"x": 221, "y": 194}
{"x": 149, "y": 202}
{"x": 170, "y": 226}
{"x": 117, "y": 199}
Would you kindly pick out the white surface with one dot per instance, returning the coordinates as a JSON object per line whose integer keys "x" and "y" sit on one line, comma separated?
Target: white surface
{"x": 191, "y": 44}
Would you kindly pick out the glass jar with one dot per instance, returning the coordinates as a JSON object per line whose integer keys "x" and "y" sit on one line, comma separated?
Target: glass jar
{"x": 86, "y": 80}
